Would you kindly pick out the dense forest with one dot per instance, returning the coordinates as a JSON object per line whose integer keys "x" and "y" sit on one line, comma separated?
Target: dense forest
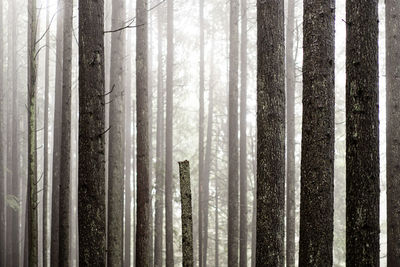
{"x": 200, "y": 133}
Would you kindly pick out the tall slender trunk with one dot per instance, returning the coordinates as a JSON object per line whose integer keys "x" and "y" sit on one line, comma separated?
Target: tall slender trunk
{"x": 65, "y": 157}
{"x": 2, "y": 150}
{"x": 243, "y": 136}
{"x": 318, "y": 134}
{"x": 159, "y": 210}
{"x": 216, "y": 254}
{"x": 168, "y": 136}
{"x": 143, "y": 193}
{"x": 270, "y": 133}
{"x": 202, "y": 204}
{"x": 91, "y": 189}
{"x": 32, "y": 163}
{"x": 362, "y": 134}
{"x": 393, "y": 124}
{"x": 291, "y": 128}
{"x": 46, "y": 147}
{"x": 116, "y": 138}
{"x": 233, "y": 191}
{"x": 55, "y": 195}
{"x": 187, "y": 220}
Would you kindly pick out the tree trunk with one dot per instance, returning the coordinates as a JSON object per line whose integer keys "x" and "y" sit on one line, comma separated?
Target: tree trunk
{"x": 3, "y": 229}
{"x": 91, "y": 190}
{"x": 393, "y": 124}
{"x": 168, "y": 136}
{"x": 143, "y": 193}
{"x": 46, "y": 147}
{"x": 55, "y": 195}
{"x": 318, "y": 142}
{"x": 116, "y": 135}
{"x": 362, "y": 134}
{"x": 270, "y": 134}
{"x": 159, "y": 203}
{"x": 233, "y": 190}
{"x": 290, "y": 140}
{"x": 65, "y": 161}
{"x": 243, "y": 136}
{"x": 202, "y": 204}
{"x": 32, "y": 201}
{"x": 216, "y": 221}
{"x": 187, "y": 221}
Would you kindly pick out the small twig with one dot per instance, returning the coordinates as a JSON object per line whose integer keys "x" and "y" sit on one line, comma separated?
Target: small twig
{"x": 103, "y": 133}
{"x": 112, "y": 89}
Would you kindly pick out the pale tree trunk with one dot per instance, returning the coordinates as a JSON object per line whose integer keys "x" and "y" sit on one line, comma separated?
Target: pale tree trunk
{"x": 142, "y": 111}
{"x": 291, "y": 122}
{"x": 65, "y": 157}
{"x": 270, "y": 134}
{"x": 216, "y": 254}
{"x": 393, "y": 124}
{"x": 243, "y": 136}
{"x": 159, "y": 203}
{"x": 91, "y": 189}
{"x": 233, "y": 191}
{"x": 2, "y": 150}
{"x": 362, "y": 134}
{"x": 32, "y": 200}
{"x": 186, "y": 215}
{"x": 168, "y": 136}
{"x": 318, "y": 134}
{"x": 116, "y": 138}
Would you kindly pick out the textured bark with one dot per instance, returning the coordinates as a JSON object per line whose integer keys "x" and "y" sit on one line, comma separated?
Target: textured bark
{"x": 91, "y": 189}
{"x": 65, "y": 157}
{"x": 290, "y": 140}
{"x": 393, "y": 135}
{"x": 116, "y": 135}
{"x": 32, "y": 201}
{"x": 159, "y": 203}
{"x": 362, "y": 134}
{"x": 233, "y": 161}
{"x": 270, "y": 133}
{"x": 318, "y": 142}
{"x": 143, "y": 193}
{"x": 187, "y": 220}
{"x": 2, "y": 148}
{"x": 243, "y": 136}
{"x": 45, "y": 252}
{"x": 168, "y": 136}
{"x": 55, "y": 195}
{"x": 202, "y": 204}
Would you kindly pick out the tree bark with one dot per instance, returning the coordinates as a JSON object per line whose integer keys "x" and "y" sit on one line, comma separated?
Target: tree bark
{"x": 243, "y": 136}
{"x": 168, "y": 136}
{"x": 393, "y": 124}
{"x": 291, "y": 134}
{"x": 187, "y": 221}
{"x": 362, "y": 134}
{"x": 3, "y": 191}
{"x": 91, "y": 189}
{"x": 233, "y": 189}
{"x": 318, "y": 142}
{"x": 116, "y": 135}
{"x": 143, "y": 193}
{"x": 270, "y": 133}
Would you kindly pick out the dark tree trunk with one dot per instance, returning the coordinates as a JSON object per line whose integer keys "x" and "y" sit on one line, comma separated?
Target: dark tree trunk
{"x": 202, "y": 204}
{"x": 91, "y": 189}
{"x": 65, "y": 157}
{"x": 143, "y": 193}
{"x": 393, "y": 135}
{"x": 45, "y": 252}
{"x": 159, "y": 203}
{"x": 233, "y": 189}
{"x": 318, "y": 142}
{"x": 270, "y": 134}
{"x": 55, "y": 195}
{"x": 32, "y": 201}
{"x": 362, "y": 134}
{"x": 187, "y": 221}
{"x": 243, "y": 136}
{"x": 290, "y": 139}
{"x": 116, "y": 135}
{"x": 168, "y": 136}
